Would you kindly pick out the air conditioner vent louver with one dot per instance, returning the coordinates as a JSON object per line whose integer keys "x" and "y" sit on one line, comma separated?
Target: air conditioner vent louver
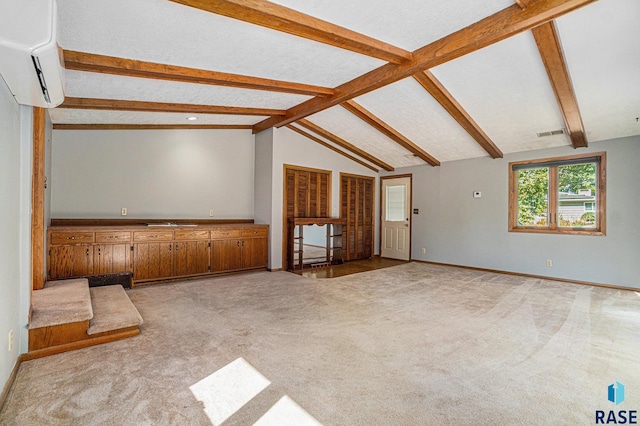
{"x": 30, "y": 59}
{"x": 551, "y": 133}
{"x": 40, "y": 74}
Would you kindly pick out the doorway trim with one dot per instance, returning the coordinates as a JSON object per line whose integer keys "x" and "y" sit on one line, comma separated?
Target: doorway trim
{"x": 382, "y": 178}
{"x": 37, "y": 200}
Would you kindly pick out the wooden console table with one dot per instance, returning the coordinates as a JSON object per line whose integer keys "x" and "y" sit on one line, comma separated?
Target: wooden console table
{"x": 333, "y": 245}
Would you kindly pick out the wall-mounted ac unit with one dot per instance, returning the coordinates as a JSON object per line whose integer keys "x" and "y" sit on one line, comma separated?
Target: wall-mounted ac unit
{"x": 30, "y": 59}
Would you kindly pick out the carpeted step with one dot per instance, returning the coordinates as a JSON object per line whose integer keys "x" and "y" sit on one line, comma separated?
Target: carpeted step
{"x": 61, "y": 302}
{"x": 112, "y": 309}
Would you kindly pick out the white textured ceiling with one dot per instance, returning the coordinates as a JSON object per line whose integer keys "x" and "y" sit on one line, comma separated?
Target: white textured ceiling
{"x": 503, "y": 87}
{"x": 165, "y": 32}
{"x": 341, "y": 122}
{"x": 104, "y": 86}
{"x": 84, "y": 116}
{"x": 602, "y": 49}
{"x": 409, "y": 109}
{"x": 409, "y": 24}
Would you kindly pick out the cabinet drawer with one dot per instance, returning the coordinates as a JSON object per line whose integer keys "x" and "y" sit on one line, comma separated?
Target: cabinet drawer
{"x": 113, "y": 237}
{"x": 71, "y": 237}
{"x": 225, "y": 233}
{"x": 255, "y": 232}
{"x": 153, "y": 236}
{"x": 190, "y": 234}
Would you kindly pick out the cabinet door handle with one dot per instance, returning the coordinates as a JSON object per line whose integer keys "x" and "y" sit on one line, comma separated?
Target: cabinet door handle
{"x": 238, "y": 243}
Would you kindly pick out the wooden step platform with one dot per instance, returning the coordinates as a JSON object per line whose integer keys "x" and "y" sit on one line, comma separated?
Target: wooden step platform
{"x": 68, "y": 315}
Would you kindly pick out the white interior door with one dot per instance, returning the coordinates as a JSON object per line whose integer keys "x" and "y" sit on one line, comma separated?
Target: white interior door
{"x": 396, "y": 205}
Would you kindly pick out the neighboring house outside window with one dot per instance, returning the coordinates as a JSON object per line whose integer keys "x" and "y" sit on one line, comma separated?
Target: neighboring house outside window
{"x": 572, "y": 207}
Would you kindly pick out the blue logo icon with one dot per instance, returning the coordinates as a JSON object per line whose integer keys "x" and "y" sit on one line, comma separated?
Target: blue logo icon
{"x": 616, "y": 393}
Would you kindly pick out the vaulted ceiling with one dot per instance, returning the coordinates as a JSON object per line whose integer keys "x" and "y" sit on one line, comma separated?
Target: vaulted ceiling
{"x": 389, "y": 84}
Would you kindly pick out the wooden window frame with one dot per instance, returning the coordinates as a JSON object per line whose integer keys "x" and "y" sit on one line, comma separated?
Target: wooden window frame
{"x": 553, "y": 228}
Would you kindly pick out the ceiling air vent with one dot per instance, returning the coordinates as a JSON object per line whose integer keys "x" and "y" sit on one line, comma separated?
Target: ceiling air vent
{"x": 551, "y": 133}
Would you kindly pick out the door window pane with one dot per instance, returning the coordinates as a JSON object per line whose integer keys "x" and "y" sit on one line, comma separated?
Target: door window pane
{"x": 396, "y": 203}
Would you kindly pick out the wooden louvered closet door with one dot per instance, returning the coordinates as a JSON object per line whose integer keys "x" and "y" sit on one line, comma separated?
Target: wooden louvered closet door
{"x": 357, "y": 204}
{"x": 307, "y": 194}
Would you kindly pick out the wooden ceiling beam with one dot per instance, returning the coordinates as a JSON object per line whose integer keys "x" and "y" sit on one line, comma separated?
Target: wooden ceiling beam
{"x": 71, "y": 126}
{"x": 88, "y": 62}
{"x": 375, "y": 122}
{"x": 492, "y": 29}
{"x": 343, "y": 144}
{"x": 548, "y": 42}
{"x": 120, "y": 105}
{"x": 521, "y": 3}
{"x": 331, "y": 147}
{"x": 281, "y": 18}
{"x": 449, "y": 103}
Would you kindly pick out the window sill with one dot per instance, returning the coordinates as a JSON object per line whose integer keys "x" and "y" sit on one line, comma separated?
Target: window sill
{"x": 568, "y": 231}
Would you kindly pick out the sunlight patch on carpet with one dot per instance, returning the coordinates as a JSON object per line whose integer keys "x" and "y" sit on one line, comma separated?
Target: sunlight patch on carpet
{"x": 286, "y": 412}
{"x": 229, "y": 389}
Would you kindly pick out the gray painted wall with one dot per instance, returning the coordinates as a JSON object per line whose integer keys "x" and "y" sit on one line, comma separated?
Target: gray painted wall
{"x": 458, "y": 229}
{"x": 292, "y": 148}
{"x": 12, "y": 217}
{"x": 153, "y": 173}
{"x": 263, "y": 205}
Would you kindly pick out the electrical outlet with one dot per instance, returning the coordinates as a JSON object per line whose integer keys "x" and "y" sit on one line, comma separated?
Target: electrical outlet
{"x": 10, "y": 340}
{"x": 211, "y": 213}
{"x": 549, "y": 262}
{"x": 123, "y": 211}
{"x": 424, "y": 250}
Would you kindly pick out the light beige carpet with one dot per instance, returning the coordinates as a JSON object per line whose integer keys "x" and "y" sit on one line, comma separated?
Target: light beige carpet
{"x": 112, "y": 310}
{"x": 413, "y": 344}
{"x": 61, "y": 302}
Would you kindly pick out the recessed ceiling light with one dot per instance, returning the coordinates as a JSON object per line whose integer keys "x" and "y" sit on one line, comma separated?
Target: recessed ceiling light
{"x": 192, "y": 118}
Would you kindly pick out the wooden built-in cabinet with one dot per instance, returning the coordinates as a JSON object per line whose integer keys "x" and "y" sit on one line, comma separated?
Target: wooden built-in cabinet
{"x": 111, "y": 258}
{"x": 156, "y": 254}
{"x": 70, "y": 260}
{"x": 240, "y": 249}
